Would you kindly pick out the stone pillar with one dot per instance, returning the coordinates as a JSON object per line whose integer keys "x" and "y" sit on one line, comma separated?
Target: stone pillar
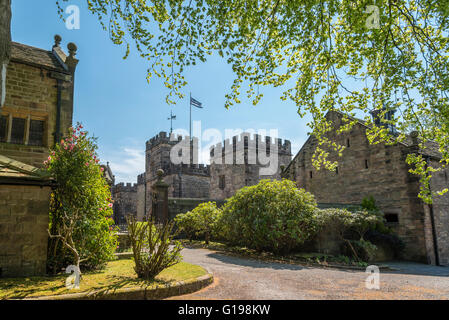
{"x": 159, "y": 203}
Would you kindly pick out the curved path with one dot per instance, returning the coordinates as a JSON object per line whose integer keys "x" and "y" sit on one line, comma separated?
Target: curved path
{"x": 240, "y": 278}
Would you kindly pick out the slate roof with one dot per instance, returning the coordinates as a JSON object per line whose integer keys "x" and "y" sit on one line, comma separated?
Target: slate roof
{"x": 13, "y": 169}
{"x": 36, "y": 57}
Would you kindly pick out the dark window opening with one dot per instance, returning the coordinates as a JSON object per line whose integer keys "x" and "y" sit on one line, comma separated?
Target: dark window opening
{"x": 221, "y": 182}
{"x": 3, "y": 128}
{"x": 310, "y": 173}
{"x": 336, "y": 170}
{"x": 36, "y": 137}
{"x": 347, "y": 143}
{"x": 392, "y": 217}
{"x": 366, "y": 164}
{"x": 18, "y": 130}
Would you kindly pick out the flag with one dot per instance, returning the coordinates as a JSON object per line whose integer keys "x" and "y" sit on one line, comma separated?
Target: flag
{"x": 195, "y": 103}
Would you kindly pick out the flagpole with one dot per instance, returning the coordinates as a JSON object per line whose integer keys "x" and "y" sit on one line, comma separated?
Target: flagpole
{"x": 190, "y": 121}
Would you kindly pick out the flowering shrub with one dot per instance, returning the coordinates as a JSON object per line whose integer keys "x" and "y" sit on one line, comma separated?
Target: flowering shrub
{"x": 199, "y": 223}
{"x": 272, "y": 215}
{"x": 81, "y": 206}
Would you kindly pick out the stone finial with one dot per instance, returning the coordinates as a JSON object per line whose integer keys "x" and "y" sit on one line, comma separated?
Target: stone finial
{"x": 72, "y": 49}
{"x": 160, "y": 174}
{"x": 414, "y": 136}
{"x": 58, "y": 40}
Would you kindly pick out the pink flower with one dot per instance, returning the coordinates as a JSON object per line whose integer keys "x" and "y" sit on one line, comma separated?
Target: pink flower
{"x": 49, "y": 158}
{"x": 87, "y": 164}
{"x": 101, "y": 169}
{"x": 101, "y": 209}
{"x": 110, "y": 205}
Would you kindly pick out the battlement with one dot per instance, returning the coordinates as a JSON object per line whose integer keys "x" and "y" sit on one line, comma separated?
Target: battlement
{"x": 193, "y": 169}
{"x": 141, "y": 178}
{"x": 164, "y": 138}
{"x": 247, "y": 141}
{"x": 122, "y": 187}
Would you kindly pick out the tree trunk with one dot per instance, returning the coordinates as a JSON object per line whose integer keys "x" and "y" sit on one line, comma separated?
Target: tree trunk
{"x": 5, "y": 45}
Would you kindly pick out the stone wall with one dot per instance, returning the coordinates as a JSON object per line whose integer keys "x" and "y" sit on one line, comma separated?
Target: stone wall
{"x": 140, "y": 206}
{"x": 23, "y": 230}
{"x": 125, "y": 201}
{"x": 364, "y": 170}
{"x": 440, "y": 211}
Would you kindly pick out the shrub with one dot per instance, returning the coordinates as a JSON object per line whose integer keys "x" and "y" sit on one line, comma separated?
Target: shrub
{"x": 153, "y": 247}
{"x": 185, "y": 222}
{"x": 272, "y": 215}
{"x": 81, "y": 207}
{"x": 389, "y": 240}
{"x": 369, "y": 204}
{"x": 200, "y": 223}
{"x": 351, "y": 228}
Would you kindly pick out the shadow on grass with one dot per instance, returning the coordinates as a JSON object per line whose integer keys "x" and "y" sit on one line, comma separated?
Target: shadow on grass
{"x": 120, "y": 282}
{"x": 20, "y": 291}
{"x": 20, "y": 288}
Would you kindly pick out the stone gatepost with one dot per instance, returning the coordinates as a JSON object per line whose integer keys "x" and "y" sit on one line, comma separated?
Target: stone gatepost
{"x": 159, "y": 203}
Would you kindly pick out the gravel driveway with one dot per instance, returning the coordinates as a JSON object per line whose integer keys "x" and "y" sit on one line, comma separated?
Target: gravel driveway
{"x": 240, "y": 278}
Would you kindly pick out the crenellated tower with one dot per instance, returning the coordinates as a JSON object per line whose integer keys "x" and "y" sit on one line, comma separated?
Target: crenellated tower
{"x": 244, "y": 160}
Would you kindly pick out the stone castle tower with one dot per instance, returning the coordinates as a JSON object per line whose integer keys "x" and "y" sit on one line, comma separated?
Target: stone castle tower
{"x": 246, "y": 161}
{"x": 209, "y": 182}
{"x": 186, "y": 180}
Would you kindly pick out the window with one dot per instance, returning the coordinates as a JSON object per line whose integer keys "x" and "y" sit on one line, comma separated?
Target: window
{"x": 347, "y": 143}
{"x": 36, "y": 137}
{"x": 22, "y": 131}
{"x": 392, "y": 218}
{"x": 221, "y": 182}
{"x": 336, "y": 170}
{"x": 310, "y": 173}
{"x": 18, "y": 131}
{"x": 366, "y": 164}
{"x": 3, "y": 129}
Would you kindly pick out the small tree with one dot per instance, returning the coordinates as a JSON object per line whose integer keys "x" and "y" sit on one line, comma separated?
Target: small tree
{"x": 152, "y": 248}
{"x": 81, "y": 205}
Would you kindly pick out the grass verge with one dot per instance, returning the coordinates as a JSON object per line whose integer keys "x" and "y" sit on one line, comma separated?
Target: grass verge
{"x": 118, "y": 274}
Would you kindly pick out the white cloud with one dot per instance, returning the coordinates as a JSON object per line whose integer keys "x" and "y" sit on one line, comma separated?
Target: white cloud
{"x": 126, "y": 163}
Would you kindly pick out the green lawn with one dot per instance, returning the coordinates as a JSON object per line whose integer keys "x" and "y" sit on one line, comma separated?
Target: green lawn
{"x": 118, "y": 274}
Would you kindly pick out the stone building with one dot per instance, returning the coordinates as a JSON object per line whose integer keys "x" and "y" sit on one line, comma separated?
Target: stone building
{"x": 380, "y": 171}
{"x": 191, "y": 184}
{"x": 125, "y": 202}
{"x": 39, "y": 101}
{"x": 24, "y": 205}
{"x": 240, "y": 163}
{"x": 186, "y": 180}
{"x": 36, "y": 114}
{"x": 108, "y": 175}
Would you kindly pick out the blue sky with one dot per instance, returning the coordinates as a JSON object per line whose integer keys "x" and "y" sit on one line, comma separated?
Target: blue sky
{"x": 115, "y": 103}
